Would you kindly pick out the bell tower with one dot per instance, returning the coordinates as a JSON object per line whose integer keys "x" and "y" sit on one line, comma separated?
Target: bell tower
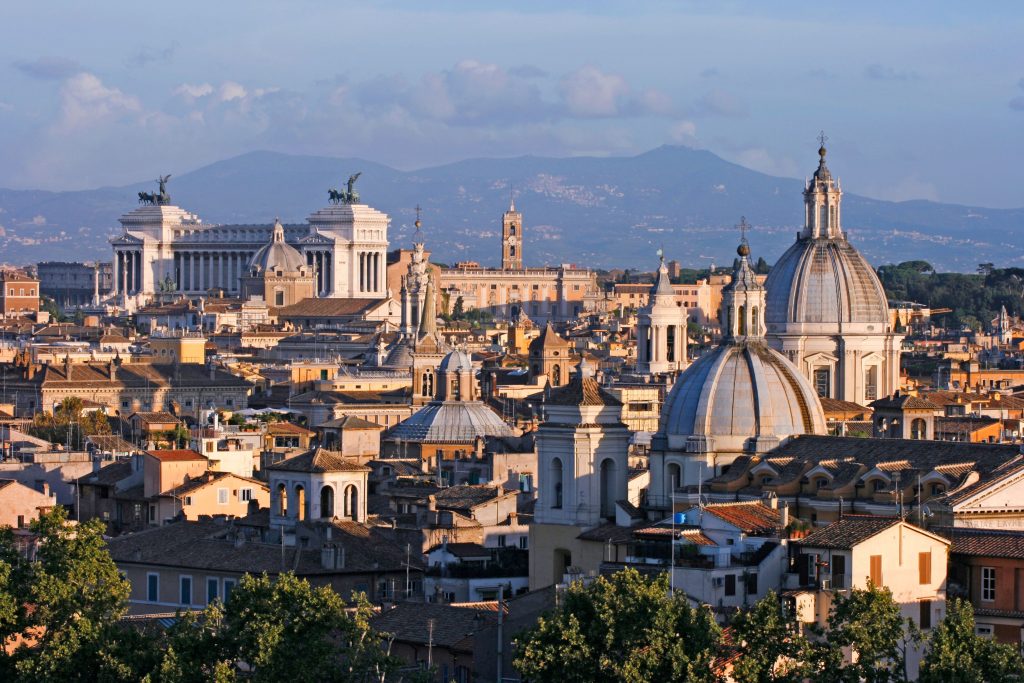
{"x": 512, "y": 238}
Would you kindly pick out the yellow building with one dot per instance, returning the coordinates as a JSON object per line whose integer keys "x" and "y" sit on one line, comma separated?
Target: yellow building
{"x": 189, "y": 348}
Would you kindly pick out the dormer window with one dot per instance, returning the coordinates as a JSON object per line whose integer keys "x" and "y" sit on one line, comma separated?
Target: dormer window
{"x": 879, "y": 485}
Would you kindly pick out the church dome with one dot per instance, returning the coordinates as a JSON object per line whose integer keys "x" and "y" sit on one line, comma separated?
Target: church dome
{"x": 742, "y": 396}
{"x": 277, "y": 255}
{"x": 457, "y": 361}
{"x": 451, "y": 422}
{"x": 825, "y": 281}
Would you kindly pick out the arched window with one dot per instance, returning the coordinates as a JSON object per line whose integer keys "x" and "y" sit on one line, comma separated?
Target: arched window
{"x": 918, "y": 428}
{"x": 556, "y": 483}
{"x": 754, "y": 323}
{"x": 742, "y": 322}
{"x": 327, "y": 502}
{"x": 673, "y": 476}
{"x": 556, "y": 375}
{"x": 300, "y": 503}
{"x": 282, "y": 500}
{"x": 352, "y": 502}
{"x": 670, "y": 340}
{"x": 608, "y": 488}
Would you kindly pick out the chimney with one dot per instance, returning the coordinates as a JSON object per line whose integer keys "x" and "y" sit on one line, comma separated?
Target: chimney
{"x": 44, "y": 487}
{"x": 432, "y": 503}
{"x": 95, "y": 463}
{"x": 327, "y": 552}
{"x": 784, "y": 515}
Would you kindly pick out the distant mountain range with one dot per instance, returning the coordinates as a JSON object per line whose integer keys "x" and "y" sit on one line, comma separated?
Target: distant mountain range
{"x": 600, "y": 212}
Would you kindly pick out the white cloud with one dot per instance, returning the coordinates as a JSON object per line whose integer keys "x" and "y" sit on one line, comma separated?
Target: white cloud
{"x": 86, "y": 101}
{"x": 590, "y": 92}
{"x": 193, "y": 92}
{"x": 229, "y": 90}
{"x": 683, "y": 132}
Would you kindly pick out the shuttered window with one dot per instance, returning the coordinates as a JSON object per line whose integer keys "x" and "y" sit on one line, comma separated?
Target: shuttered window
{"x": 876, "y": 570}
{"x": 924, "y": 568}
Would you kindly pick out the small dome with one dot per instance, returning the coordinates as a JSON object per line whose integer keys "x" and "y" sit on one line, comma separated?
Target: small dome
{"x": 457, "y": 361}
{"x": 825, "y": 281}
{"x": 740, "y": 398}
{"x": 277, "y": 255}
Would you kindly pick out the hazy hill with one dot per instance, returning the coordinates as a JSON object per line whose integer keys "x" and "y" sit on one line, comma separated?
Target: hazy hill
{"x": 602, "y": 212}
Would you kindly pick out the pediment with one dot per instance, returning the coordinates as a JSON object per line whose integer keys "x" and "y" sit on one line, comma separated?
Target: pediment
{"x": 999, "y": 496}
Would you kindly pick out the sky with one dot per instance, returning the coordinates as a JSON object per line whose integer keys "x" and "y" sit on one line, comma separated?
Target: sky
{"x": 919, "y": 100}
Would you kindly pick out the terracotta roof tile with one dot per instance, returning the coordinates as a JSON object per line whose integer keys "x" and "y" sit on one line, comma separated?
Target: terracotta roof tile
{"x": 847, "y": 532}
{"x": 318, "y": 460}
{"x": 750, "y": 518}
{"x": 176, "y": 455}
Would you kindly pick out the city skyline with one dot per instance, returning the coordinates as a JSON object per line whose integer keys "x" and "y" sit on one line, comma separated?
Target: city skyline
{"x": 112, "y": 94}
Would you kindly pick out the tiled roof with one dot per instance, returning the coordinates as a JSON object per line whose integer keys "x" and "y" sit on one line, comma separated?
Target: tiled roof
{"x": 924, "y": 454}
{"x": 176, "y": 455}
{"x": 466, "y": 497}
{"x": 327, "y": 308}
{"x": 904, "y": 402}
{"x": 548, "y": 339}
{"x": 845, "y": 533}
{"x": 158, "y": 416}
{"x": 984, "y": 542}
{"x": 835, "y": 405}
{"x": 111, "y": 442}
{"x": 138, "y": 375}
{"x": 318, "y": 460}
{"x": 209, "y": 546}
{"x": 108, "y": 475}
{"x": 453, "y": 627}
{"x": 464, "y": 550}
{"x": 208, "y": 478}
{"x": 351, "y": 422}
{"x": 274, "y": 428}
{"x": 750, "y": 518}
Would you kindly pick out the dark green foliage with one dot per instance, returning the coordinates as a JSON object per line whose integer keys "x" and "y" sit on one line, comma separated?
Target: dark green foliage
{"x": 957, "y": 655}
{"x": 769, "y": 644}
{"x": 623, "y": 628}
{"x": 975, "y": 298}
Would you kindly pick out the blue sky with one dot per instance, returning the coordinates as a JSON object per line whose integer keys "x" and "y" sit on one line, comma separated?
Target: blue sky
{"x": 919, "y": 99}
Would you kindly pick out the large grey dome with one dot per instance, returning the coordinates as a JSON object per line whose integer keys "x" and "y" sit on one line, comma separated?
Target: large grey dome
{"x": 451, "y": 422}
{"x": 277, "y": 255}
{"x": 825, "y": 280}
{"x": 740, "y": 397}
{"x": 457, "y": 361}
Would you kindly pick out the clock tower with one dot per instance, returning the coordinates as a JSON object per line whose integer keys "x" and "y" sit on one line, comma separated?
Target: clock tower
{"x": 512, "y": 238}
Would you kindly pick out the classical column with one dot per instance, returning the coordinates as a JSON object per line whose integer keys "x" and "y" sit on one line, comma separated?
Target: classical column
{"x": 191, "y": 271}
{"x": 328, "y": 273}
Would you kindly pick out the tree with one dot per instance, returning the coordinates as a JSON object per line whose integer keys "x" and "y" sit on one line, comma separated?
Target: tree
{"x": 761, "y": 267}
{"x": 285, "y": 629}
{"x": 626, "y": 628}
{"x": 869, "y": 622}
{"x": 769, "y": 645}
{"x": 76, "y": 596}
{"x": 459, "y": 310}
{"x": 957, "y": 655}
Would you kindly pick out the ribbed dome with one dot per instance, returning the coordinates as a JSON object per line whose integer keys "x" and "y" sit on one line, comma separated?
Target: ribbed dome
{"x": 451, "y": 422}
{"x": 277, "y": 255}
{"x": 457, "y": 361}
{"x": 824, "y": 280}
{"x": 740, "y": 397}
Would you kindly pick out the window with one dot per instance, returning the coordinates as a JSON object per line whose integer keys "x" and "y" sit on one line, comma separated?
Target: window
{"x": 984, "y": 631}
{"x": 988, "y": 584}
{"x": 245, "y": 495}
{"x": 876, "y": 570}
{"x": 925, "y": 618}
{"x": 279, "y": 298}
{"x": 502, "y": 540}
{"x": 186, "y": 590}
{"x": 821, "y": 381}
{"x": 222, "y": 496}
{"x": 524, "y": 542}
{"x": 871, "y": 383}
{"x": 211, "y": 589}
{"x": 229, "y": 585}
{"x": 730, "y": 584}
{"x": 924, "y": 568}
{"x": 153, "y": 587}
{"x": 188, "y": 500}
{"x": 751, "y": 587}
